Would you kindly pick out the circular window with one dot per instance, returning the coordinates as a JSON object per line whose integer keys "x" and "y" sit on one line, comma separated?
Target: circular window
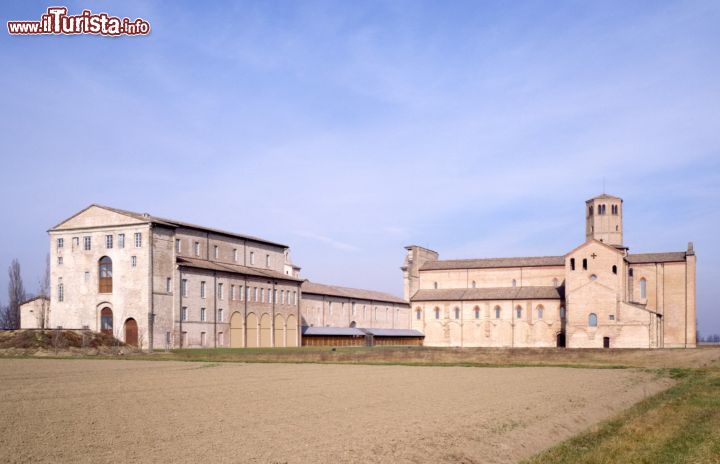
{"x": 593, "y": 277}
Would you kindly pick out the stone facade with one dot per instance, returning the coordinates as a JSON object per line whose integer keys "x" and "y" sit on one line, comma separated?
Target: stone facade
{"x": 34, "y": 313}
{"x": 163, "y": 283}
{"x": 596, "y": 295}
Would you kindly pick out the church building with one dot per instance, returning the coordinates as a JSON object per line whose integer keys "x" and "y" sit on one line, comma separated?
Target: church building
{"x": 596, "y": 295}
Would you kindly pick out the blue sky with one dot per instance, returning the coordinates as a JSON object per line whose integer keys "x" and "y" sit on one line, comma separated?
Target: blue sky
{"x": 351, "y": 129}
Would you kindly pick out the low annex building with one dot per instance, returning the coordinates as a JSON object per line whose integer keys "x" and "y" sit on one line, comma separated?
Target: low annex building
{"x": 597, "y": 295}
{"x": 162, "y": 283}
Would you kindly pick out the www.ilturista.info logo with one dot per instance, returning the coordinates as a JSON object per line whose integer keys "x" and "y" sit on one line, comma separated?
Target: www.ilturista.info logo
{"x": 57, "y": 21}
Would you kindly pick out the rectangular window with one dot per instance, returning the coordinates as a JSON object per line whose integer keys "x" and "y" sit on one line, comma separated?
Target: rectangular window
{"x": 202, "y": 289}
{"x": 262, "y": 295}
{"x": 232, "y": 292}
{"x": 255, "y": 294}
{"x": 252, "y": 257}
{"x": 221, "y": 315}
{"x": 60, "y": 260}
{"x": 167, "y": 339}
{"x": 247, "y": 296}
{"x": 584, "y": 264}
{"x": 168, "y": 285}
{"x": 235, "y": 255}
{"x": 108, "y": 242}
{"x": 572, "y": 264}
{"x": 60, "y": 243}
{"x": 221, "y": 339}
{"x": 202, "y": 338}
{"x": 183, "y": 338}
{"x": 294, "y": 298}
{"x": 197, "y": 248}
{"x": 184, "y": 288}
{"x": 87, "y": 243}
{"x": 133, "y": 261}
{"x": 217, "y": 252}
{"x": 183, "y": 313}
{"x": 267, "y": 260}
{"x": 282, "y": 296}
{"x": 220, "y": 292}
{"x": 242, "y": 291}
{"x": 87, "y": 276}
{"x": 202, "y": 315}
{"x": 61, "y": 290}
{"x": 121, "y": 240}
{"x": 178, "y": 245}
{"x": 138, "y": 240}
{"x": 274, "y": 296}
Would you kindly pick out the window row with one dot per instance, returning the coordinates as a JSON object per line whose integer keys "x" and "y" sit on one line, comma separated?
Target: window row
{"x": 241, "y": 293}
{"x": 216, "y": 252}
{"x": 473, "y": 284}
{"x": 497, "y": 311}
{"x": 602, "y": 210}
{"x": 202, "y": 315}
{"x": 109, "y": 241}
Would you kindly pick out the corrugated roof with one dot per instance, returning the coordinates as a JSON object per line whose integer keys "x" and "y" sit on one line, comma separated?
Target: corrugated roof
{"x": 333, "y": 331}
{"x": 668, "y": 257}
{"x": 394, "y": 332}
{"x": 495, "y": 293}
{"x": 234, "y": 268}
{"x": 531, "y": 261}
{"x": 174, "y": 223}
{"x": 352, "y": 293}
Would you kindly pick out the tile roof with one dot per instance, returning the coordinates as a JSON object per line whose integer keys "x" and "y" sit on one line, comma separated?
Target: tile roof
{"x": 495, "y": 293}
{"x": 604, "y": 196}
{"x": 173, "y": 223}
{"x": 347, "y": 292}
{"x": 234, "y": 268}
{"x": 668, "y": 257}
{"x": 488, "y": 263}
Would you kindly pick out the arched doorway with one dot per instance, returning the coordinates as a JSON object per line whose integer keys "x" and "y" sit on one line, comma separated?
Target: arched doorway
{"x": 279, "y": 331}
{"x": 291, "y": 333}
{"x": 236, "y": 331}
{"x": 265, "y": 331}
{"x": 252, "y": 330}
{"x": 106, "y": 321}
{"x": 131, "y": 332}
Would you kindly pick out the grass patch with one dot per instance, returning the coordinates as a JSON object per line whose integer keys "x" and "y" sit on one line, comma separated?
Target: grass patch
{"x": 679, "y": 425}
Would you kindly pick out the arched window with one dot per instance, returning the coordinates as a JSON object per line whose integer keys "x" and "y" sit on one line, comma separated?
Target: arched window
{"x": 106, "y": 321}
{"x": 518, "y": 312}
{"x": 477, "y": 312}
{"x": 572, "y": 264}
{"x": 592, "y": 320}
{"x": 643, "y": 288}
{"x": 105, "y": 273}
{"x": 514, "y": 283}
{"x": 614, "y": 269}
{"x": 437, "y": 313}
{"x": 418, "y": 314}
{"x": 457, "y": 313}
{"x": 584, "y": 264}
{"x": 497, "y": 312}
{"x": 540, "y": 312}
{"x": 435, "y": 285}
{"x": 474, "y": 284}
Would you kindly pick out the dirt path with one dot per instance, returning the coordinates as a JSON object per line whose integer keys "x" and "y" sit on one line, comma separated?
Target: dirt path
{"x": 137, "y": 411}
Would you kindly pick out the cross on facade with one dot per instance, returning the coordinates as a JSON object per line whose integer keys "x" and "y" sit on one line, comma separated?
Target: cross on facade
{"x": 593, "y": 256}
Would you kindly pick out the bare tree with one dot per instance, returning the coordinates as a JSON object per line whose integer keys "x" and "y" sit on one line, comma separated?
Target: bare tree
{"x": 44, "y": 294}
{"x": 4, "y": 319}
{"x": 16, "y": 294}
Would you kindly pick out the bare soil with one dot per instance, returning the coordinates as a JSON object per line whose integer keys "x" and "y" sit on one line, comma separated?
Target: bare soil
{"x": 143, "y": 411}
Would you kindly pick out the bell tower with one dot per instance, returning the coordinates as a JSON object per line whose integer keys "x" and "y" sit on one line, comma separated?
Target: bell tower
{"x": 603, "y": 219}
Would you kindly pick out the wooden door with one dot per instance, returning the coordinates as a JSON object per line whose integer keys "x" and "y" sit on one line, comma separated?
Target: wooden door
{"x": 131, "y": 332}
